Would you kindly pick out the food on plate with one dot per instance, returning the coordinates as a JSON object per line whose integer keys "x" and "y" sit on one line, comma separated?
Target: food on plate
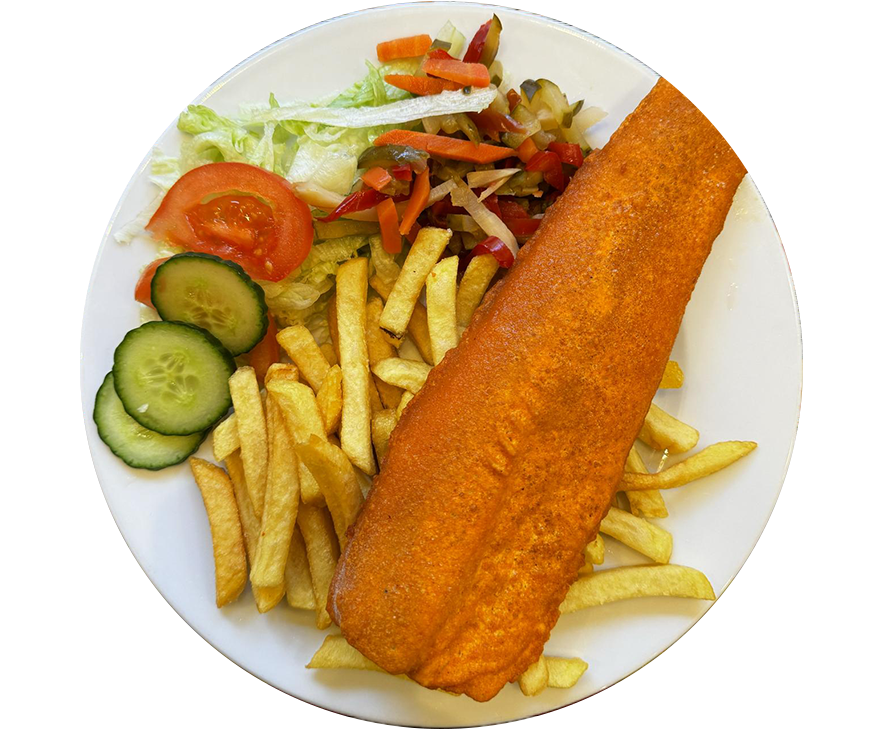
{"x": 644, "y": 502}
{"x": 535, "y": 679}
{"x": 594, "y": 551}
{"x": 440, "y": 292}
{"x": 425, "y": 252}
{"x": 564, "y": 672}
{"x": 322, "y": 551}
{"x": 571, "y": 461}
{"x": 737, "y": 587}
{"x": 417, "y": 329}
{"x": 651, "y": 673}
{"x": 407, "y": 374}
{"x": 135, "y": 445}
{"x": 637, "y": 533}
{"x": 106, "y": 672}
{"x": 383, "y": 424}
{"x": 337, "y": 480}
{"x": 378, "y": 349}
{"x": 117, "y": 566}
{"x": 171, "y": 377}
{"x": 329, "y": 398}
{"x": 662, "y": 431}
{"x": 636, "y": 581}
{"x": 673, "y": 376}
{"x": 351, "y": 315}
{"x": 252, "y": 433}
{"x": 280, "y": 504}
{"x": 474, "y": 284}
{"x": 711, "y": 459}
{"x": 301, "y": 347}
{"x": 214, "y": 294}
{"x": 297, "y": 579}
{"x": 230, "y": 564}
{"x": 223, "y": 671}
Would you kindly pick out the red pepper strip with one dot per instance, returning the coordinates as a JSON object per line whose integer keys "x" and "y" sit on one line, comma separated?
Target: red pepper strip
{"x": 513, "y": 99}
{"x": 451, "y": 69}
{"x": 497, "y": 248}
{"x": 511, "y": 210}
{"x": 440, "y": 53}
{"x": 387, "y": 213}
{"x": 361, "y": 200}
{"x": 444, "y": 207}
{"x": 475, "y": 49}
{"x": 413, "y": 232}
{"x": 550, "y": 165}
{"x": 570, "y": 154}
{"x": 522, "y": 227}
{"x": 492, "y": 204}
{"x": 489, "y": 120}
{"x": 402, "y": 172}
{"x": 376, "y": 177}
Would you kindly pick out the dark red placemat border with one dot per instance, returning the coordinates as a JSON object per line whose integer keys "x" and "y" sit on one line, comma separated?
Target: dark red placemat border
{"x": 206, "y": 700}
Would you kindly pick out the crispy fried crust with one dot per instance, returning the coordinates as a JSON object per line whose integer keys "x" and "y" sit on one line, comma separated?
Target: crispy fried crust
{"x": 502, "y": 468}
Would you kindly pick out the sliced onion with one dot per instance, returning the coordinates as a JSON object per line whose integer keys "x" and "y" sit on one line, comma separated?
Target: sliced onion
{"x": 482, "y": 178}
{"x": 441, "y": 191}
{"x": 491, "y": 224}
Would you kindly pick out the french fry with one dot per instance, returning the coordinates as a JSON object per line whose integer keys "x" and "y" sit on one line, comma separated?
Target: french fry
{"x": 646, "y": 503}
{"x": 474, "y": 284}
{"x": 636, "y": 581}
{"x": 708, "y": 461}
{"x": 336, "y": 477}
{"x": 425, "y": 252}
{"x": 303, "y": 418}
{"x": 737, "y": 587}
{"x": 330, "y": 354}
{"x": 330, "y": 399}
{"x": 376, "y": 404}
{"x": 322, "y": 551}
{"x": 337, "y": 653}
{"x": 595, "y": 551}
{"x": 299, "y": 344}
{"x": 282, "y": 501}
{"x": 333, "y": 326}
{"x": 404, "y": 402}
{"x": 662, "y": 431}
{"x": 440, "y": 294}
{"x": 283, "y": 371}
{"x": 251, "y": 425}
{"x": 650, "y": 540}
{"x": 223, "y": 671}
{"x": 564, "y": 672}
{"x": 351, "y": 313}
{"x": 587, "y": 567}
{"x": 230, "y": 563}
{"x": 418, "y": 323}
{"x": 225, "y": 438}
{"x": 378, "y": 349}
{"x": 534, "y": 680}
{"x": 651, "y": 673}
{"x": 386, "y": 267}
{"x": 265, "y": 598}
{"x": 383, "y": 424}
{"x": 673, "y": 376}
{"x": 297, "y": 579}
{"x": 407, "y": 374}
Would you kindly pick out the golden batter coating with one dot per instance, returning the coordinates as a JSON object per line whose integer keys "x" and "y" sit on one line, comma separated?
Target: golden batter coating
{"x": 505, "y": 463}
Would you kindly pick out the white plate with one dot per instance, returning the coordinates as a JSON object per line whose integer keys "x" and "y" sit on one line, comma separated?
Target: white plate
{"x": 739, "y": 346}
{"x": 728, "y": 646}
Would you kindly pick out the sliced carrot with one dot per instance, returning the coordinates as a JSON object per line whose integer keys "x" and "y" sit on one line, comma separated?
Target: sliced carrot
{"x": 467, "y": 74}
{"x": 448, "y": 147}
{"x": 266, "y": 351}
{"x": 417, "y": 201}
{"x": 387, "y": 213}
{"x": 376, "y": 177}
{"x": 416, "y": 45}
{"x": 527, "y": 150}
{"x": 421, "y": 85}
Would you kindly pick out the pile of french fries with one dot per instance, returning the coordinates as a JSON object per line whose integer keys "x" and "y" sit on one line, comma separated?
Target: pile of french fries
{"x": 299, "y": 453}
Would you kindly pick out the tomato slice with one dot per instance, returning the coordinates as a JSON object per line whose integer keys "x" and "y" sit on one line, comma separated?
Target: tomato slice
{"x": 238, "y": 212}
{"x": 143, "y": 288}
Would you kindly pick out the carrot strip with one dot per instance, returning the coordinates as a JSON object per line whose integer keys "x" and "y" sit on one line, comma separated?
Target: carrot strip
{"x": 468, "y": 74}
{"x": 421, "y": 85}
{"x": 387, "y": 213}
{"x": 418, "y": 201}
{"x": 527, "y": 150}
{"x": 376, "y": 177}
{"x": 448, "y": 147}
{"x": 416, "y": 45}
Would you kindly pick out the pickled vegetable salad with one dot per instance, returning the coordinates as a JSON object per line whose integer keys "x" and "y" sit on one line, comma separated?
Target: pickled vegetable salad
{"x": 440, "y": 104}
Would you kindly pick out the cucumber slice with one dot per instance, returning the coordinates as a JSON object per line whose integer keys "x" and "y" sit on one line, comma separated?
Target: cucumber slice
{"x": 135, "y": 445}
{"x": 172, "y": 377}
{"x": 117, "y": 566}
{"x": 107, "y": 672}
{"x": 214, "y": 294}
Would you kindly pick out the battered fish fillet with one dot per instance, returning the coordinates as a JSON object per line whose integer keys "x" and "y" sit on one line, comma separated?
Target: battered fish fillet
{"x": 505, "y": 463}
